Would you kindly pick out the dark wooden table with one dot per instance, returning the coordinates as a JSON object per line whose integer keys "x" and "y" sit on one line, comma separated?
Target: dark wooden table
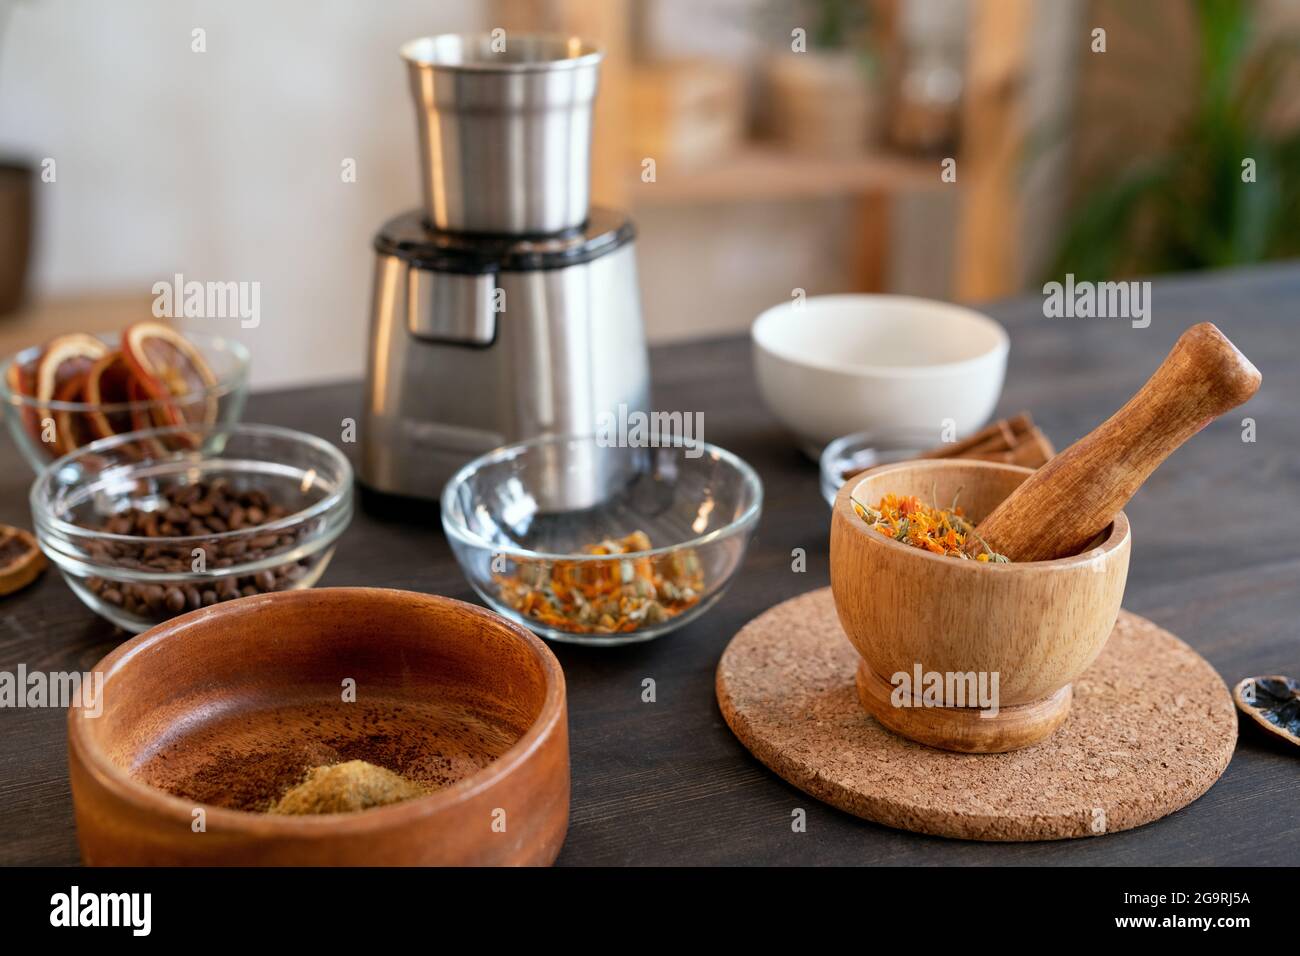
{"x": 1216, "y": 559}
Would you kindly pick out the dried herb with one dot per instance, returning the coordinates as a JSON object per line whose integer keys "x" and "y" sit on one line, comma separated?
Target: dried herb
{"x": 942, "y": 531}
{"x": 606, "y": 597}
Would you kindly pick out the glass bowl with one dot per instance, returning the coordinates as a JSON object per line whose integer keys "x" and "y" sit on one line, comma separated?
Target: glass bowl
{"x": 292, "y": 494}
{"x": 523, "y": 521}
{"x": 851, "y": 454}
{"x": 37, "y": 426}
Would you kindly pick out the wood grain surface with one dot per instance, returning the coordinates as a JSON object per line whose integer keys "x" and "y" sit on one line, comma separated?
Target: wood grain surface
{"x": 1215, "y": 560}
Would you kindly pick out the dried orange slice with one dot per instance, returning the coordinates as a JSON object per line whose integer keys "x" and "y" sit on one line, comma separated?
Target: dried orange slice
{"x": 21, "y": 379}
{"x": 168, "y": 366}
{"x": 141, "y": 417}
{"x": 108, "y": 382}
{"x": 21, "y": 561}
{"x": 64, "y": 358}
{"x": 72, "y": 429}
{"x": 21, "y": 382}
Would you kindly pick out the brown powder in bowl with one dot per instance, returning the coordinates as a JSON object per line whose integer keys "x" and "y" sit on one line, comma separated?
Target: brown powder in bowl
{"x": 346, "y": 788}
{"x": 248, "y": 759}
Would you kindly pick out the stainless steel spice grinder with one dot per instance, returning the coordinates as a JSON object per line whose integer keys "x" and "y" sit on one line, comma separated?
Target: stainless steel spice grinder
{"x": 505, "y": 131}
{"x": 507, "y": 307}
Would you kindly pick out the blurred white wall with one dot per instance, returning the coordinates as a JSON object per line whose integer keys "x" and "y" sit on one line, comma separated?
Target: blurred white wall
{"x": 222, "y": 165}
{"x": 225, "y": 165}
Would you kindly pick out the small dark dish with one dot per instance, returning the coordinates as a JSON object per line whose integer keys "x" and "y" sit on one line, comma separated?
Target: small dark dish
{"x": 1273, "y": 703}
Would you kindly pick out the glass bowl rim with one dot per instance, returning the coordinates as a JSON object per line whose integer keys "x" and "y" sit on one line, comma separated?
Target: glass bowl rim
{"x": 225, "y": 385}
{"x": 880, "y": 437}
{"x": 506, "y": 452}
{"x": 46, "y": 521}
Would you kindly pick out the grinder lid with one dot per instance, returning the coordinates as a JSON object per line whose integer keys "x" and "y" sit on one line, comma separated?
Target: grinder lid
{"x": 409, "y": 238}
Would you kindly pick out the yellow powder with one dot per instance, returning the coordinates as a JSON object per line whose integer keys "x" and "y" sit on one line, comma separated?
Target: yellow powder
{"x": 346, "y": 788}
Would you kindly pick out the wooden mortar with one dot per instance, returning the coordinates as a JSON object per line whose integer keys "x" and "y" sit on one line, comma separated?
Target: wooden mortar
{"x": 1039, "y": 621}
{"x": 1037, "y": 626}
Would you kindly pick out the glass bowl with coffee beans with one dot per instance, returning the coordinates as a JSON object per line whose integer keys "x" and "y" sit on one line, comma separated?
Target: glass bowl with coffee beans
{"x": 151, "y": 524}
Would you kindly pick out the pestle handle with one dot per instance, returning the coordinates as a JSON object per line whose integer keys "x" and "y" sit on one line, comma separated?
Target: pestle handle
{"x": 1062, "y": 507}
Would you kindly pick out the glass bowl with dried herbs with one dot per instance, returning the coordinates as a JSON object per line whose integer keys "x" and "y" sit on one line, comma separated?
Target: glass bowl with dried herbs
{"x": 593, "y": 544}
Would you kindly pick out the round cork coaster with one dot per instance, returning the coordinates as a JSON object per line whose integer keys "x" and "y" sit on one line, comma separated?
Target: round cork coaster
{"x": 1151, "y": 728}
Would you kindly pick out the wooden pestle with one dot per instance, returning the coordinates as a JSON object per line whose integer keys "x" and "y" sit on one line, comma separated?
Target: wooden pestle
{"x": 1063, "y": 506}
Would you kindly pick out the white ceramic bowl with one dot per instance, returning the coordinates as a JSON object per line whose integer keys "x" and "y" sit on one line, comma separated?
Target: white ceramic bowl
{"x": 836, "y": 364}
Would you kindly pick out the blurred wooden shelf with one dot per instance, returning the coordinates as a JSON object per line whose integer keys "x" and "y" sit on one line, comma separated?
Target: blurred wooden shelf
{"x": 759, "y": 173}
{"x": 41, "y": 320}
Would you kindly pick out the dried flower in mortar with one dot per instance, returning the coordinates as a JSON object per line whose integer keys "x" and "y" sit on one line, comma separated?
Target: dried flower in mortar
{"x": 605, "y": 597}
{"x": 907, "y": 519}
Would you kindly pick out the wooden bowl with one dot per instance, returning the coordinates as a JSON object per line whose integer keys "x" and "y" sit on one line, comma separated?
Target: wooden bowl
{"x": 225, "y": 704}
{"x": 1033, "y": 627}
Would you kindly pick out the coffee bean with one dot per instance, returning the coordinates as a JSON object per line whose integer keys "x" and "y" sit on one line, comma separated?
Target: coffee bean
{"x": 198, "y": 509}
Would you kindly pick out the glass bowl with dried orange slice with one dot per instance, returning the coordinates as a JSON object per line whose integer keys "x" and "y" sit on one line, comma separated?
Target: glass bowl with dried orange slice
{"x": 78, "y": 388}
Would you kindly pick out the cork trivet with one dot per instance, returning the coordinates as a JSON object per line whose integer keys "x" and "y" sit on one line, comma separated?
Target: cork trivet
{"x": 1151, "y": 728}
